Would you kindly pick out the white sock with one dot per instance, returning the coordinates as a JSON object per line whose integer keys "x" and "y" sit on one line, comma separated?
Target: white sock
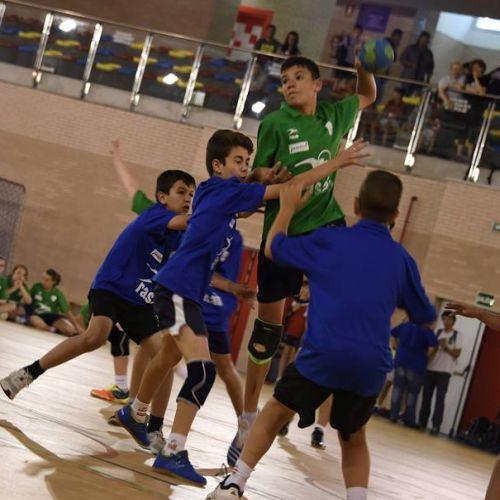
{"x": 249, "y": 416}
{"x": 240, "y": 475}
{"x": 175, "y": 443}
{"x": 139, "y": 410}
{"x": 320, "y": 427}
{"x": 121, "y": 382}
{"x": 356, "y": 493}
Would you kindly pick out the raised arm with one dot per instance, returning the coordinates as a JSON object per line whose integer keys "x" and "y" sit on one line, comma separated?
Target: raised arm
{"x": 489, "y": 318}
{"x": 366, "y": 88}
{"x": 126, "y": 178}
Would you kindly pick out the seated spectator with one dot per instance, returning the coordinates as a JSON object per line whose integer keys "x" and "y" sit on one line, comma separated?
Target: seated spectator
{"x": 6, "y": 307}
{"x": 19, "y": 293}
{"x": 291, "y": 45}
{"x": 418, "y": 62}
{"x": 414, "y": 345}
{"x": 267, "y": 44}
{"x": 427, "y": 139}
{"x": 390, "y": 121}
{"x": 50, "y": 309}
{"x": 454, "y": 80}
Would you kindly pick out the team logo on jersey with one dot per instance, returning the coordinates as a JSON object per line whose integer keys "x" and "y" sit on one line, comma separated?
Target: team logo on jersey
{"x": 329, "y": 127}
{"x": 293, "y": 134}
{"x": 157, "y": 255}
{"x": 298, "y": 147}
{"x": 325, "y": 184}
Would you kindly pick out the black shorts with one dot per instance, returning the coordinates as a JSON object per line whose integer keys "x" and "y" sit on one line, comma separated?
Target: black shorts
{"x": 292, "y": 340}
{"x": 350, "y": 411}
{"x": 218, "y": 342}
{"x": 50, "y": 318}
{"x": 276, "y": 282}
{"x": 175, "y": 311}
{"x": 119, "y": 342}
{"x": 140, "y": 322}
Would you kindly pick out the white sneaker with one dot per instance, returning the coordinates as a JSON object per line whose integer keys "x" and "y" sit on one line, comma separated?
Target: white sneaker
{"x": 236, "y": 446}
{"x": 222, "y": 491}
{"x": 16, "y": 381}
{"x": 156, "y": 442}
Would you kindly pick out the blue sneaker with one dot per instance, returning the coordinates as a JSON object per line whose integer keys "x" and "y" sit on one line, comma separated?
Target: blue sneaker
{"x": 138, "y": 430}
{"x": 178, "y": 465}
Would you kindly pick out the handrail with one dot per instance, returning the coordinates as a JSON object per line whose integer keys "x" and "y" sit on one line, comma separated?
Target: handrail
{"x": 69, "y": 13}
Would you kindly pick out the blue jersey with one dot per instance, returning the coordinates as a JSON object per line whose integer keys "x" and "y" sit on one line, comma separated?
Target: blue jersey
{"x": 357, "y": 277}
{"x": 209, "y": 234}
{"x": 218, "y": 305}
{"x": 137, "y": 254}
{"x": 414, "y": 342}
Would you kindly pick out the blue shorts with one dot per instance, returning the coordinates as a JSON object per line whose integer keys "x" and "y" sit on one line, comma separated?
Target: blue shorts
{"x": 218, "y": 342}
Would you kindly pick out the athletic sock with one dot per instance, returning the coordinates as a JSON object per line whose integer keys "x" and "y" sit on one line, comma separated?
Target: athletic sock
{"x": 249, "y": 416}
{"x": 320, "y": 427}
{"x": 155, "y": 423}
{"x": 175, "y": 442}
{"x": 356, "y": 493}
{"x": 35, "y": 370}
{"x": 139, "y": 410}
{"x": 240, "y": 475}
{"x": 121, "y": 382}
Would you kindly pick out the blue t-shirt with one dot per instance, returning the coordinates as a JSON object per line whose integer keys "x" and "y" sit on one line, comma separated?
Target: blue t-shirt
{"x": 414, "y": 341}
{"x": 137, "y": 254}
{"x": 219, "y": 305}
{"x": 357, "y": 277}
{"x": 209, "y": 234}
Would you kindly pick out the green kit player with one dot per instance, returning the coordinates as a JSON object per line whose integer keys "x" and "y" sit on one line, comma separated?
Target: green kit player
{"x": 301, "y": 135}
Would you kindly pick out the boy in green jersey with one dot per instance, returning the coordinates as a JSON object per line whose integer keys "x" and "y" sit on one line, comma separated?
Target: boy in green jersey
{"x": 301, "y": 135}
{"x": 5, "y": 306}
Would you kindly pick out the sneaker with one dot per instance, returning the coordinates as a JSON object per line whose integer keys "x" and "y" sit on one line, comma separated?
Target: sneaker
{"x": 284, "y": 430}
{"x": 224, "y": 490}
{"x": 113, "y": 420}
{"x": 236, "y": 446}
{"x": 112, "y": 394}
{"x": 178, "y": 465}
{"x": 318, "y": 438}
{"x": 16, "y": 381}
{"x": 138, "y": 430}
{"x": 156, "y": 441}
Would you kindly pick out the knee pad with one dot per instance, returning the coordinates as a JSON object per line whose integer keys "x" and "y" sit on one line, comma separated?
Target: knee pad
{"x": 119, "y": 342}
{"x": 264, "y": 342}
{"x": 199, "y": 382}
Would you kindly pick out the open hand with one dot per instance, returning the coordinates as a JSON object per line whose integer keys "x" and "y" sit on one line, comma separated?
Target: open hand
{"x": 464, "y": 310}
{"x": 353, "y": 155}
{"x": 276, "y": 175}
{"x": 294, "y": 197}
{"x": 243, "y": 292}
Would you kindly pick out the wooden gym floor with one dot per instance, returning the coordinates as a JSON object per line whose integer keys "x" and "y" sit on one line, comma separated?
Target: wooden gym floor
{"x": 55, "y": 443}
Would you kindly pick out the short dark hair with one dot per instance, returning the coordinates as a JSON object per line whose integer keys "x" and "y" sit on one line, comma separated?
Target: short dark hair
{"x": 358, "y": 27}
{"x": 303, "y": 62}
{"x": 424, "y": 33}
{"x": 56, "y": 277}
{"x": 397, "y": 31}
{"x": 168, "y": 178}
{"x": 451, "y": 314}
{"x": 379, "y": 196}
{"x": 271, "y": 27}
{"x": 480, "y": 62}
{"x": 220, "y": 145}
{"x": 19, "y": 266}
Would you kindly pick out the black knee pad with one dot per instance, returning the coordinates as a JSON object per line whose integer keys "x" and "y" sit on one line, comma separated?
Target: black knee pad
{"x": 264, "y": 342}
{"x": 119, "y": 342}
{"x": 199, "y": 382}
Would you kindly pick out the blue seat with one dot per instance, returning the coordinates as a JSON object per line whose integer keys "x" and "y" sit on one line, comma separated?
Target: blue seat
{"x": 27, "y": 48}
{"x": 163, "y": 65}
{"x": 225, "y": 77}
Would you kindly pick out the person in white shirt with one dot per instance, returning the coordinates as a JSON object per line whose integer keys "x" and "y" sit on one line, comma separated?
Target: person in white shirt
{"x": 439, "y": 370}
{"x": 454, "y": 80}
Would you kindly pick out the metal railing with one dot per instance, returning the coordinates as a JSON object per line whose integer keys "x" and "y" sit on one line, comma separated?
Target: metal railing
{"x": 202, "y": 45}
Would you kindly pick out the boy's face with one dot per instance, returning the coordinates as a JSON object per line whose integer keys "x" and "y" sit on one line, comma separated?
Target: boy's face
{"x": 2, "y": 266}
{"x": 448, "y": 322}
{"x": 299, "y": 87}
{"x": 179, "y": 198}
{"x": 236, "y": 164}
{"x": 19, "y": 274}
{"x": 47, "y": 282}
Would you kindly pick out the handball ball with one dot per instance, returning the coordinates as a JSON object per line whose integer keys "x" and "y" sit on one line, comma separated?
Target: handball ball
{"x": 376, "y": 55}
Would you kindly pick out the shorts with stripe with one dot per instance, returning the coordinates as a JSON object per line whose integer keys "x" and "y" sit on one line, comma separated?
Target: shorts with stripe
{"x": 174, "y": 312}
{"x": 119, "y": 342}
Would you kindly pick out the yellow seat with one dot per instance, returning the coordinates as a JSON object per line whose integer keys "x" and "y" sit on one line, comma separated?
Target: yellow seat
{"x": 67, "y": 43}
{"x": 183, "y": 84}
{"x": 413, "y": 100}
{"x": 30, "y": 35}
{"x": 180, "y": 53}
{"x": 151, "y": 60}
{"x": 183, "y": 69}
{"x": 53, "y": 53}
{"x": 108, "y": 66}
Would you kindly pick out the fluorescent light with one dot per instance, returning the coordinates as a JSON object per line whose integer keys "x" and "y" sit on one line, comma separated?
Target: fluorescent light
{"x": 486, "y": 23}
{"x": 67, "y": 25}
{"x": 258, "y": 106}
{"x": 170, "y": 79}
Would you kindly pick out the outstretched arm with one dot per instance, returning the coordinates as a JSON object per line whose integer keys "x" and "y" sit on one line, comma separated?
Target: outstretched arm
{"x": 366, "y": 88}
{"x": 489, "y": 318}
{"x": 126, "y": 178}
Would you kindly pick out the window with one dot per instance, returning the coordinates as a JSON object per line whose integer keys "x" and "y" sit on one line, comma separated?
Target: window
{"x": 486, "y": 23}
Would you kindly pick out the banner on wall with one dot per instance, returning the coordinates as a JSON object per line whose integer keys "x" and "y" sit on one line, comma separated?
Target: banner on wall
{"x": 373, "y": 17}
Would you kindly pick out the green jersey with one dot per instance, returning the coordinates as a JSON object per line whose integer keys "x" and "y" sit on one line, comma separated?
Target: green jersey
{"x": 48, "y": 301}
{"x": 85, "y": 314}
{"x": 4, "y": 285}
{"x": 16, "y": 295}
{"x": 141, "y": 202}
{"x": 301, "y": 142}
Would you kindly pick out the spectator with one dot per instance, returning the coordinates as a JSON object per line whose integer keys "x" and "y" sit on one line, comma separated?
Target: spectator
{"x": 417, "y": 60}
{"x": 267, "y": 44}
{"x": 50, "y": 307}
{"x": 291, "y": 45}
{"x": 454, "y": 80}
{"x": 475, "y": 81}
{"x": 6, "y": 307}
{"x": 352, "y": 44}
{"x": 439, "y": 370}
{"x": 338, "y": 50}
{"x": 395, "y": 41}
{"x": 414, "y": 344}
{"x": 430, "y": 130}
{"x": 19, "y": 293}
{"x": 389, "y": 122}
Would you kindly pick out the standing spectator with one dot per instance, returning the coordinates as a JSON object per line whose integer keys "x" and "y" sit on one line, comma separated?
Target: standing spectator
{"x": 267, "y": 44}
{"x": 50, "y": 307}
{"x": 395, "y": 41}
{"x": 6, "y": 307}
{"x": 439, "y": 371}
{"x": 417, "y": 60}
{"x": 338, "y": 50}
{"x": 415, "y": 344}
{"x": 291, "y": 45}
{"x": 19, "y": 293}
{"x": 454, "y": 80}
{"x": 352, "y": 43}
